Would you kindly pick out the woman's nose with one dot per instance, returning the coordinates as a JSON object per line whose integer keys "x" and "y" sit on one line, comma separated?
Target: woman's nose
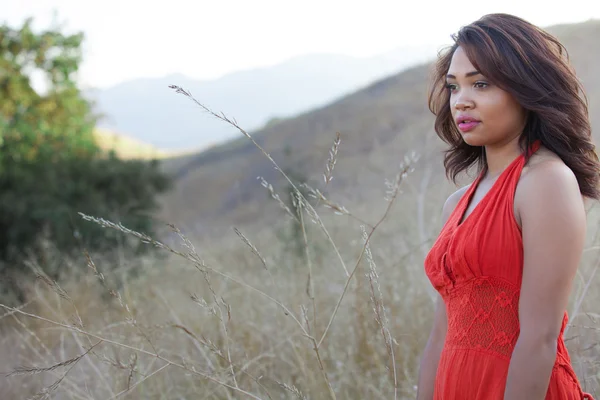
{"x": 463, "y": 102}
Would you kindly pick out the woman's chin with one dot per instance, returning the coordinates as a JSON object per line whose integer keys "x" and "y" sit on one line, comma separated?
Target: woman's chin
{"x": 473, "y": 140}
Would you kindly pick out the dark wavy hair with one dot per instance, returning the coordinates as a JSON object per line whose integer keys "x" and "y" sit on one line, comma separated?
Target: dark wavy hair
{"x": 533, "y": 66}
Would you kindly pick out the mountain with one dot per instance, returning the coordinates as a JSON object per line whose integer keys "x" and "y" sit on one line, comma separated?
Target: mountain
{"x": 148, "y": 111}
{"x": 378, "y": 124}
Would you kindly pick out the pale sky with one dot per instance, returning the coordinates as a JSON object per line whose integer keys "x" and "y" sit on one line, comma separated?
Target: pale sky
{"x": 205, "y": 39}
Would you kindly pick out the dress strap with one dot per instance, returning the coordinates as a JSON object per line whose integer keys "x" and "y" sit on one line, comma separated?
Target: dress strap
{"x": 533, "y": 148}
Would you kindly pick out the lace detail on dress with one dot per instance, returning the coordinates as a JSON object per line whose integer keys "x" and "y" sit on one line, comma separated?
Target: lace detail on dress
{"x": 483, "y": 315}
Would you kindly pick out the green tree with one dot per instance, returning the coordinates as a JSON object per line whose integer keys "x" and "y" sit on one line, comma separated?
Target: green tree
{"x": 50, "y": 165}
{"x": 56, "y": 124}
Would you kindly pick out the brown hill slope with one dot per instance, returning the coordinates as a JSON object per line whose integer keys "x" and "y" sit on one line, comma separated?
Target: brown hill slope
{"x": 126, "y": 147}
{"x": 378, "y": 126}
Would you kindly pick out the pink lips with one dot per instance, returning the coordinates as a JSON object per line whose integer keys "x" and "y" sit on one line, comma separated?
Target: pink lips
{"x": 467, "y": 125}
{"x": 466, "y": 122}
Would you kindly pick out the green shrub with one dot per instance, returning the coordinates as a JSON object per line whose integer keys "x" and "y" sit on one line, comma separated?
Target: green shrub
{"x": 50, "y": 166}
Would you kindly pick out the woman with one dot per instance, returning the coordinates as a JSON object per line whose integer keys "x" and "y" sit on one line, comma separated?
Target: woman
{"x": 508, "y": 103}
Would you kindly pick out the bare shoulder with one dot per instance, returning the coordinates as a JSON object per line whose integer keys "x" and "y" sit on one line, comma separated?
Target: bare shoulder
{"x": 546, "y": 171}
{"x": 547, "y": 184}
{"x": 452, "y": 201}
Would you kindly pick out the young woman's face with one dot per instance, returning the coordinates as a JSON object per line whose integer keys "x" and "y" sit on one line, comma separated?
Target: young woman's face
{"x": 483, "y": 113}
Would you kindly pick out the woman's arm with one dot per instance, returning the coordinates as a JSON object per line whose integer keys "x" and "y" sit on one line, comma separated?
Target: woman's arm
{"x": 553, "y": 225}
{"x": 431, "y": 354}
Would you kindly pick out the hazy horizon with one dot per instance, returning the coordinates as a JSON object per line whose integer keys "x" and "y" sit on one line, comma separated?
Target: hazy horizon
{"x": 135, "y": 40}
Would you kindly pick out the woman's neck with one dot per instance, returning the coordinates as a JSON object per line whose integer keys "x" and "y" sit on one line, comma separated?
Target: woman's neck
{"x": 499, "y": 157}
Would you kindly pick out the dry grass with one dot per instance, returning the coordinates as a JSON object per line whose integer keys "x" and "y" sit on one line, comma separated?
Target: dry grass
{"x": 239, "y": 317}
{"x": 190, "y": 324}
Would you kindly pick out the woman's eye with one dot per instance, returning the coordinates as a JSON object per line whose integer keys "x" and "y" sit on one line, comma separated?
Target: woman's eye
{"x": 481, "y": 85}
{"x": 450, "y": 86}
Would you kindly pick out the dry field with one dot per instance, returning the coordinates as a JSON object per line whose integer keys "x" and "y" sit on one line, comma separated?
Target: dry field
{"x": 243, "y": 316}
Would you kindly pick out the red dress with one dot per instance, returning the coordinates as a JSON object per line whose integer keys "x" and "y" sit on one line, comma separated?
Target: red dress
{"x": 476, "y": 266}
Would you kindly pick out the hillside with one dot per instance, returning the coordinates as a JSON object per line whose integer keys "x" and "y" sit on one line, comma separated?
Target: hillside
{"x": 147, "y": 110}
{"x": 126, "y": 147}
{"x": 378, "y": 125}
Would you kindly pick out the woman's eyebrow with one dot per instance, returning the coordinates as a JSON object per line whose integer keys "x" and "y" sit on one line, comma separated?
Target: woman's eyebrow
{"x": 467, "y": 75}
